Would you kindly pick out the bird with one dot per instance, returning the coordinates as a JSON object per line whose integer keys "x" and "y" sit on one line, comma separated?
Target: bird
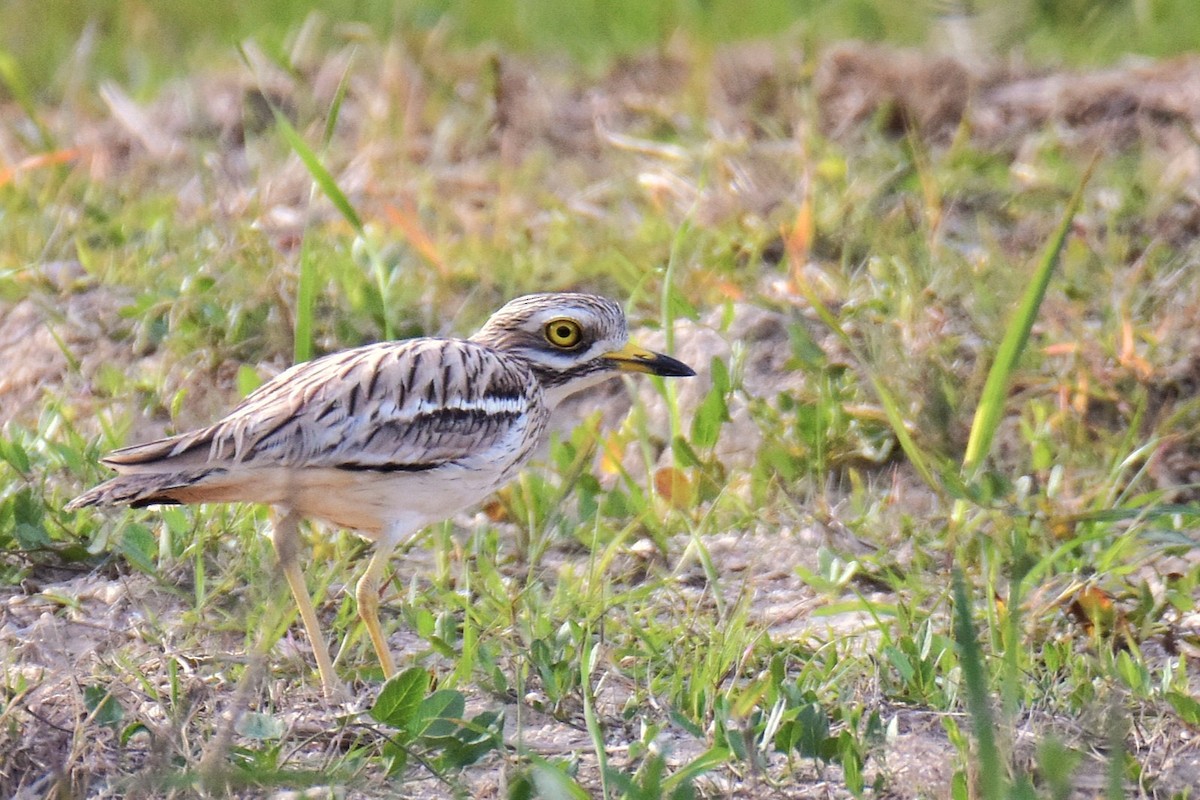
{"x": 388, "y": 438}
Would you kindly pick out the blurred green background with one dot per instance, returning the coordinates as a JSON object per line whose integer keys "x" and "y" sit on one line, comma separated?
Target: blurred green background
{"x": 140, "y": 43}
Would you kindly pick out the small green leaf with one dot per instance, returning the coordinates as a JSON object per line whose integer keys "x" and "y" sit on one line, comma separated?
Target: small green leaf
{"x": 959, "y": 789}
{"x": 31, "y": 536}
{"x": 473, "y": 741}
{"x": 139, "y": 547}
{"x": 900, "y": 662}
{"x": 1186, "y": 707}
{"x": 849, "y": 755}
{"x": 552, "y": 783}
{"x": 805, "y": 349}
{"x": 103, "y": 707}
{"x": 719, "y": 372}
{"x": 12, "y": 452}
{"x": 807, "y": 731}
{"x": 256, "y": 725}
{"x": 1133, "y": 673}
{"x": 133, "y": 729}
{"x": 685, "y": 455}
{"x": 396, "y": 758}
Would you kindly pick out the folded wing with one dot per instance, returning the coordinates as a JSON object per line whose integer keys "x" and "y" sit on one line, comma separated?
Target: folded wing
{"x": 393, "y": 406}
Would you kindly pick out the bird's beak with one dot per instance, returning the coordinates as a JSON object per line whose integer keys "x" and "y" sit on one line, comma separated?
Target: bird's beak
{"x": 632, "y": 358}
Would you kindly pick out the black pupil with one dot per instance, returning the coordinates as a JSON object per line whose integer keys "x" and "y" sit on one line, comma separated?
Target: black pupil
{"x": 563, "y": 331}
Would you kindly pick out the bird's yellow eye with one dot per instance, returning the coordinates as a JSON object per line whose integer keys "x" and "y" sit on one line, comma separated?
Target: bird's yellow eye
{"x": 564, "y": 333}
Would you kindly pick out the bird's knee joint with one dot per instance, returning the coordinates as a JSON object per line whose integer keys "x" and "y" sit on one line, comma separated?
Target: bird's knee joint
{"x": 366, "y": 592}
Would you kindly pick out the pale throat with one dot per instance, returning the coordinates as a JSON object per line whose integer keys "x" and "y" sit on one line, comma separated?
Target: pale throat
{"x": 555, "y": 395}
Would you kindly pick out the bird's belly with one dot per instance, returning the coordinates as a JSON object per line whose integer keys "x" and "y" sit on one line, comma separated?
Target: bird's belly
{"x": 369, "y": 501}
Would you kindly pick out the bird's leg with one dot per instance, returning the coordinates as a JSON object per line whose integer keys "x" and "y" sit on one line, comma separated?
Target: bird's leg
{"x": 367, "y": 595}
{"x": 285, "y": 535}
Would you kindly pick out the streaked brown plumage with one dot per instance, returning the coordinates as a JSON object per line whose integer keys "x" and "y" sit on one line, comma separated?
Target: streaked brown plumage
{"x": 390, "y": 437}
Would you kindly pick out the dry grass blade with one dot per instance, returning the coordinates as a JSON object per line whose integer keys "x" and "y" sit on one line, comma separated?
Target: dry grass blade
{"x": 39, "y": 161}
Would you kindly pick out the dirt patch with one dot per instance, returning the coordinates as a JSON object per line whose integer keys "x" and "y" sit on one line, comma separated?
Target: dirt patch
{"x": 53, "y": 343}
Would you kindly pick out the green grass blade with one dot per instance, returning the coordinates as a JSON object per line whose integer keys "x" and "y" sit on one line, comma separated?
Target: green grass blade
{"x": 588, "y": 666}
{"x": 1115, "y": 768}
{"x": 12, "y": 78}
{"x": 306, "y": 291}
{"x": 328, "y": 187}
{"x": 306, "y": 300}
{"x": 707, "y": 761}
{"x": 335, "y": 108}
{"x": 979, "y": 706}
{"x": 316, "y": 169}
{"x": 995, "y": 390}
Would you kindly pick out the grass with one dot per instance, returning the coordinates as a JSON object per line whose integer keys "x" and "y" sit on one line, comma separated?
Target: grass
{"x": 931, "y": 513}
{"x": 144, "y": 43}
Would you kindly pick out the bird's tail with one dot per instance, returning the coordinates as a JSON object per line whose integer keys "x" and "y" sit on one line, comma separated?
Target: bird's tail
{"x": 144, "y": 489}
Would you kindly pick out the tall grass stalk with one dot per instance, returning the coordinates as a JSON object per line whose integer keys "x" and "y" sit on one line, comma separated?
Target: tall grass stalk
{"x": 990, "y": 410}
{"x": 991, "y": 776}
{"x": 324, "y": 181}
{"x": 587, "y": 665}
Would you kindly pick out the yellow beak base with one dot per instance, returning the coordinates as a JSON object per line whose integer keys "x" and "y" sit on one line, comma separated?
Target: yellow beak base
{"x": 632, "y": 358}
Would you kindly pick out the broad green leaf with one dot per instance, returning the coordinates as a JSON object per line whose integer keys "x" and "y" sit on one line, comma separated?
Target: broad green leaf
{"x": 444, "y": 706}
{"x": 400, "y": 698}
{"x": 12, "y": 452}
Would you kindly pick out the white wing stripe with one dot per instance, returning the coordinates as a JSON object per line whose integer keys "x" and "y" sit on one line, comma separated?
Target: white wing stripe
{"x": 488, "y": 405}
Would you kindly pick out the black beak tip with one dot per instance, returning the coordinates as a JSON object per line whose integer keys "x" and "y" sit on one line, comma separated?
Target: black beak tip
{"x": 671, "y": 368}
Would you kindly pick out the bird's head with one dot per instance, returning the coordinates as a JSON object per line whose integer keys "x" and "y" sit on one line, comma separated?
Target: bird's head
{"x": 572, "y": 341}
